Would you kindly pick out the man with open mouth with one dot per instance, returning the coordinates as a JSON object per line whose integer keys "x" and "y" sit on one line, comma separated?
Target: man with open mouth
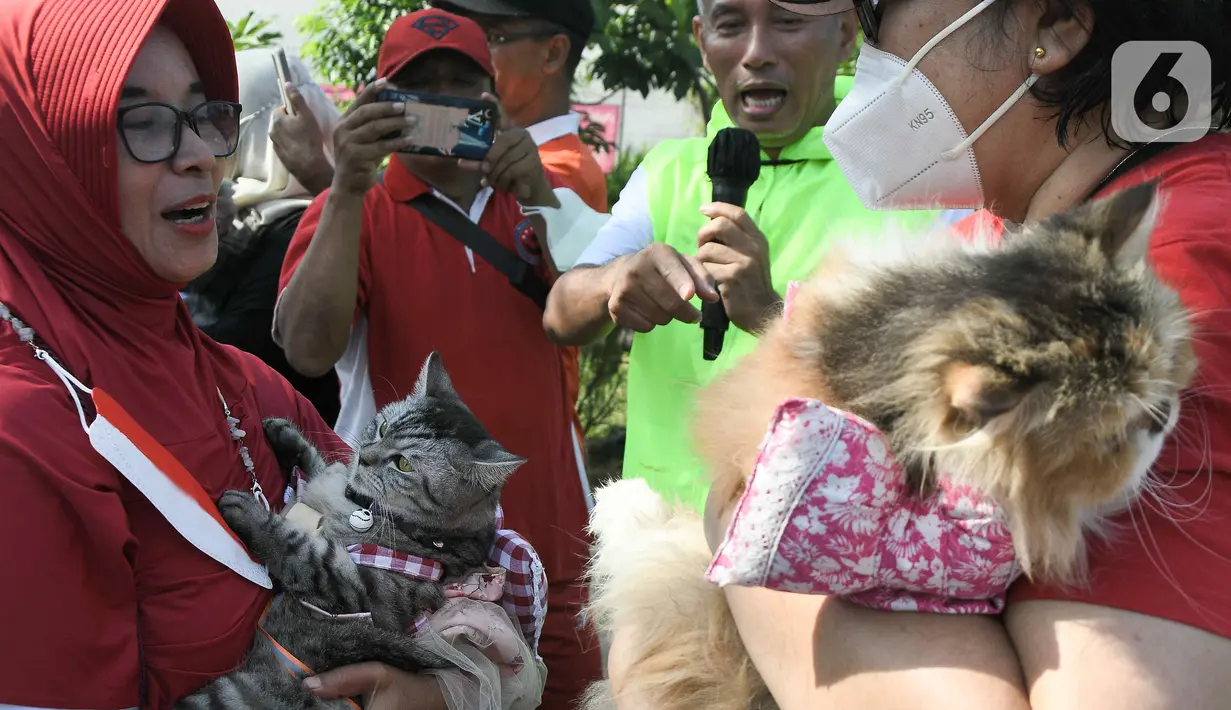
{"x": 667, "y": 244}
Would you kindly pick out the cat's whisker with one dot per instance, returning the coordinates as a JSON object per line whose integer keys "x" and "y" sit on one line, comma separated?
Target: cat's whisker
{"x": 1169, "y": 503}
{"x": 1154, "y": 553}
{"x": 1194, "y": 392}
{"x": 1180, "y": 527}
{"x": 1160, "y": 564}
{"x": 1152, "y": 409}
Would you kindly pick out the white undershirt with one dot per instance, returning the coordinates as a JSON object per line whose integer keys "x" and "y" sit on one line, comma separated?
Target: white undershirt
{"x": 630, "y": 228}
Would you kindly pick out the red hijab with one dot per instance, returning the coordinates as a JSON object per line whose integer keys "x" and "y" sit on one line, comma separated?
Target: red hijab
{"x": 106, "y": 557}
{"x": 65, "y": 267}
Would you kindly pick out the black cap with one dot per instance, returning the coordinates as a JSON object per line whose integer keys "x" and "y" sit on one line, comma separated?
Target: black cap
{"x": 576, "y": 16}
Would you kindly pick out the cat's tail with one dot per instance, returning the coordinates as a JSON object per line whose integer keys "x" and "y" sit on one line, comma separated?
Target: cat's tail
{"x": 647, "y": 578}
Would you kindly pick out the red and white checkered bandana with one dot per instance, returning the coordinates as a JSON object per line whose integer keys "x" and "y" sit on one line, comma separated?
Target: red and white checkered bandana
{"x": 525, "y": 584}
{"x": 394, "y": 561}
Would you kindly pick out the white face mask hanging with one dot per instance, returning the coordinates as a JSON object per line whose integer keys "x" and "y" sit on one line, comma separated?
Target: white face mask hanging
{"x": 154, "y": 471}
{"x": 899, "y": 142}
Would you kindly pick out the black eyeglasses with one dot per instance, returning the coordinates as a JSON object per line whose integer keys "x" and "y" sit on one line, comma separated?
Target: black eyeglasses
{"x": 498, "y": 38}
{"x": 865, "y": 9}
{"x": 152, "y": 131}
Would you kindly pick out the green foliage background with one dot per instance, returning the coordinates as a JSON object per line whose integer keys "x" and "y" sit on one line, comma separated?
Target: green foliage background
{"x": 344, "y": 37}
{"x": 249, "y": 32}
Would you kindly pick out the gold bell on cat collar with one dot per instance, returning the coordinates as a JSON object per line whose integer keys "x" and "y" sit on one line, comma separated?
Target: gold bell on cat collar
{"x": 361, "y": 520}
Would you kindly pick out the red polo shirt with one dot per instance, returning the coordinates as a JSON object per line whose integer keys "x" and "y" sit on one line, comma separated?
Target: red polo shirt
{"x": 421, "y": 290}
{"x": 1171, "y": 557}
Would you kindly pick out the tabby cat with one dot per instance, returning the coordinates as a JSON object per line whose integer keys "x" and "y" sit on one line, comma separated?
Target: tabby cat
{"x": 431, "y": 477}
{"x": 1044, "y": 371}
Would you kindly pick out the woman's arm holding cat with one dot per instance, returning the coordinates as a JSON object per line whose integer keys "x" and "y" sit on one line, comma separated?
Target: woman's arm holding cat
{"x": 382, "y": 687}
{"x": 1092, "y": 657}
{"x": 820, "y": 652}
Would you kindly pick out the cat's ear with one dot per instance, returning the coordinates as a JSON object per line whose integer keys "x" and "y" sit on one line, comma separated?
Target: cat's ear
{"x": 1121, "y": 224}
{"x": 433, "y": 380}
{"x": 492, "y": 465}
{"x": 977, "y": 394}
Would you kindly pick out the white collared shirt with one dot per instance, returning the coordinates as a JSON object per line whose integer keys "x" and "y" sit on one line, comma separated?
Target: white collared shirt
{"x": 555, "y": 127}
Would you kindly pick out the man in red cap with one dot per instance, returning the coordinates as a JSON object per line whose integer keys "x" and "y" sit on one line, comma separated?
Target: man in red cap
{"x": 536, "y": 47}
{"x": 371, "y": 286}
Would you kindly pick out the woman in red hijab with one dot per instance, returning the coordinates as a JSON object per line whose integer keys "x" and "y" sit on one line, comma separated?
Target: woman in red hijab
{"x": 116, "y": 116}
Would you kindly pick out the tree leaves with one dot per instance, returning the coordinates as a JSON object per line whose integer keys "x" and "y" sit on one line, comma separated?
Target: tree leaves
{"x": 345, "y": 36}
{"x": 648, "y": 44}
{"x": 643, "y": 45}
{"x": 251, "y": 33}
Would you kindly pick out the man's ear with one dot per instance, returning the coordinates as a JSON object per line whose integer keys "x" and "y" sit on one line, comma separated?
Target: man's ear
{"x": 555, "y": 54}
{"x": 698, "y": 34}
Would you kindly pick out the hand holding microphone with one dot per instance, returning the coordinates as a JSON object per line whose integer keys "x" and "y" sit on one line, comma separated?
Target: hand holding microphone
{"x": 731, "y": 247}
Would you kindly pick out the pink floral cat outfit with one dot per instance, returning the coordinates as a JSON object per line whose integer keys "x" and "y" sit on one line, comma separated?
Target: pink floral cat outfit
{"x": 826, "y": 511}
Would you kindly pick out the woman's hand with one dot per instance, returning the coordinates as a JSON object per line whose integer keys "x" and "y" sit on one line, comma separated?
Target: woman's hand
{"x": 382, "y": 687}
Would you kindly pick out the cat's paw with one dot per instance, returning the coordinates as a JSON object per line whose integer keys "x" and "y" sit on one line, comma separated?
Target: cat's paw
{"x": 430, "y": 597}
{"x": 242, "y": 512}
{"x": 286, "y": 441}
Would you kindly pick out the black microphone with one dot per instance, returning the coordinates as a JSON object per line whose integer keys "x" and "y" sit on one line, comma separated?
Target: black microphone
{"x": 734, "y": 164}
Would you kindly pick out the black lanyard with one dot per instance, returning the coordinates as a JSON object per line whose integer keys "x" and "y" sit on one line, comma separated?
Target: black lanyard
{"x": 1139, "y": 157}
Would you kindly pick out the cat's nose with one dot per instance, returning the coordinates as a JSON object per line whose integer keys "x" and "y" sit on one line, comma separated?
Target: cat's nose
{"x": 1160, "y": 417}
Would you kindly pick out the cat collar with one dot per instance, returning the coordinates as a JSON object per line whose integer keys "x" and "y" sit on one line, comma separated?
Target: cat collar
{"x": 387, "y": 559}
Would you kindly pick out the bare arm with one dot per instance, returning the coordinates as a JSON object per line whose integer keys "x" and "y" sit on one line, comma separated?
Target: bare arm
{"x": 577, "y": 305}
{"x": 817, "y": 652}
{"x": 315, "y": 311}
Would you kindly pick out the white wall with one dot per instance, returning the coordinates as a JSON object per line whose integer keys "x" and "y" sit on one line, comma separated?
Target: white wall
{"x": 644, "y": 121}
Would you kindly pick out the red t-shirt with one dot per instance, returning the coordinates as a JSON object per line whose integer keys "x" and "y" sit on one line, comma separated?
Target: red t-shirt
{"x": 1171, "y": 557}
{"x": 97, "y": 585}
{"x": 420, "y": 290}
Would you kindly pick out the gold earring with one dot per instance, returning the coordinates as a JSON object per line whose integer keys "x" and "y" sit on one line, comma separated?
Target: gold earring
{"x": 1039, "y": 52}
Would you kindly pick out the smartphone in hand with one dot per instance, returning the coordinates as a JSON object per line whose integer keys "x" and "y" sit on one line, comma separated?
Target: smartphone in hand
{"x": 283, "y": 67}
{"x": 447, "y": 126}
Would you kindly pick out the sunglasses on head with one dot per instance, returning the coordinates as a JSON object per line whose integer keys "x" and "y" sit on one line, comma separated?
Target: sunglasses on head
{"x": 865, "y": 9}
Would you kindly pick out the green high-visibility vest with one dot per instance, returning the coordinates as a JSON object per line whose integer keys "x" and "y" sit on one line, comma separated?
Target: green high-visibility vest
{"x": 799, "y": 207}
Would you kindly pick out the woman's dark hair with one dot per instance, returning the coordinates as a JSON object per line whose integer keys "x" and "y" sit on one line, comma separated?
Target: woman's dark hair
{"x": 1084, "y": 86}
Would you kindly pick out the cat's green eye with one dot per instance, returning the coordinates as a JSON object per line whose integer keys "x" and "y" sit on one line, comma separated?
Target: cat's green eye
{"x": 384, "y": 429}
{"x": 403, "y": 464}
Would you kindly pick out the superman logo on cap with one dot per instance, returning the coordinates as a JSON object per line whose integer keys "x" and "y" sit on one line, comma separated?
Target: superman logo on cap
{"x": 435, "y": 26}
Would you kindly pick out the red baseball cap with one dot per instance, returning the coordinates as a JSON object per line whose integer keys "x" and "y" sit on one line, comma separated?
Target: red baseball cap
{"x": 411, "y": 35}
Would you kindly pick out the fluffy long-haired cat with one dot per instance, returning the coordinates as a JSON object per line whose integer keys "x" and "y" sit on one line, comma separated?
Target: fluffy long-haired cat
{"x": 431, "y": 477}
{"x": 1044, "y": 370}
